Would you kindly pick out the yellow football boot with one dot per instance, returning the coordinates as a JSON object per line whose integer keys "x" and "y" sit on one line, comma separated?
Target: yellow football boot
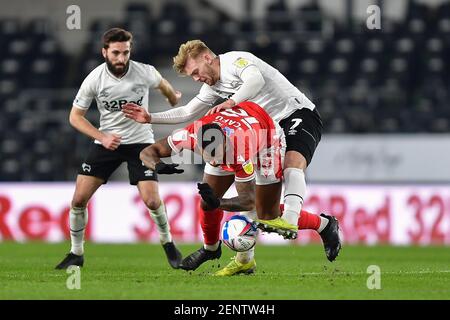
{"x": 235, "y": 267}
{"x": 278, "y": 225}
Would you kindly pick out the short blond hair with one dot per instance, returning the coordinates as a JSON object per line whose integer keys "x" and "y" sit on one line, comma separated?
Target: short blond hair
{"x": 193, "y": 49}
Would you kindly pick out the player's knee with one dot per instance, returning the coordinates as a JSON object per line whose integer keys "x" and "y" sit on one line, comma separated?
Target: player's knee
{"x": 142, "y": 155}
{"x": 152, "y": 203}
{"x": 295, "y": 159}
{"x": 79, "y": 202}
{"x": 146, "y": 153}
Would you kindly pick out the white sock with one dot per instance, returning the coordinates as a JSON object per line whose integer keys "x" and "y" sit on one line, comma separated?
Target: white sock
{"x": 323, "y": 224}
{"x": 159, "y": 216}
{"x": 211, "y": 247}
{"x": 78, "y": 218}
{"x": 246, "y": 256}
{"x": 294, "y": 193}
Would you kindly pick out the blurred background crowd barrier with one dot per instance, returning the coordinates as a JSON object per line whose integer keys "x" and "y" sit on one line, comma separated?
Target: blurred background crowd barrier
{"x": 383, "y": 94}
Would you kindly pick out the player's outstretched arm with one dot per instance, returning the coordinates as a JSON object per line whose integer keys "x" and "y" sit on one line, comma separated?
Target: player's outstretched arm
{"x": 152, "y": 154}
{"x": 194, "y": 109}
{"x": 173, "y": 96}
{"x": 78, "y": 120}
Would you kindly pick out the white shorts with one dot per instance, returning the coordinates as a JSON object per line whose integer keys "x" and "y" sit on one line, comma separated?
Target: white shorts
{"x": 269, "y": 169}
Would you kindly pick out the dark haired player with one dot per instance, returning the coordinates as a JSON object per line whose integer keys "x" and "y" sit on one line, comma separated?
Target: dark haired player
{"x": 114, "y": 83}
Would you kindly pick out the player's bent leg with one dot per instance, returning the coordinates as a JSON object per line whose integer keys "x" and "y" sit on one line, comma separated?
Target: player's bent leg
{"x": 85, "y": 188}
{"x": 243, "y": 263}
{"x": 268, "y": 211}
{"x": 295, "y": 185}
{"x": 78, "y": 218}
{"x": 210, "y": 221}
{"x": 211, "y": 249}
{"x": 150, "y": 195}
{"x": 268, "y": 200}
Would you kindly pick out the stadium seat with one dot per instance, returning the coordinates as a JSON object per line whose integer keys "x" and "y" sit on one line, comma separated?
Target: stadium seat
{"x": 394, "y": 80}
{"x": 278, "y": 17}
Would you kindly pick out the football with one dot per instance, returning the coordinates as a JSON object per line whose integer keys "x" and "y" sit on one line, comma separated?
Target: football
{"x": 239, "y": 233}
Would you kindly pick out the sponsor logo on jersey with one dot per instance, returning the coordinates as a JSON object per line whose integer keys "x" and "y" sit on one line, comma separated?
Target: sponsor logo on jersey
{"x": 236, "y": 85}
{"x": 248, "y": 167}
{"x": 295, "y": 123}
{"x": 86, "y": 167}
{"x": 228, "y": 131}
{"x": 116, "y": 105}
{"x": 181, "y": 135}
{"x": 104, "y": 93}
{"x": 266, "y": 161}
{"x": 148, "y": 173}
{"x": 223, "y": 95}
{"x": 229, "y": 122}
{"x": 241, "y": 63}
{"x": 138, "y": 89}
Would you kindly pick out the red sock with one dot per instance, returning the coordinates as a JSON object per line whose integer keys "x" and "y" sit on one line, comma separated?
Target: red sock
{"x": 307, "y": 220}
{"x": 210, "y": 223}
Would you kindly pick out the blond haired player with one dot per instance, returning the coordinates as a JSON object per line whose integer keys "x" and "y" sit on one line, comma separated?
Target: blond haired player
{"x": 239, "y": 76}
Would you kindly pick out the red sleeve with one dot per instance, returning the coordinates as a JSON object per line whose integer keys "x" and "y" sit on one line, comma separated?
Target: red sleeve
{"x": 182, "y": 139}
{"x": 244, "y": 172}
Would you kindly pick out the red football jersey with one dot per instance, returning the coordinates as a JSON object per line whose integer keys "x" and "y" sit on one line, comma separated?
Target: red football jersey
{"x": 248, "y": 128}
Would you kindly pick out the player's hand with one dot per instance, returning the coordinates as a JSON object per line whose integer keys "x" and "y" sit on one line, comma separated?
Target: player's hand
{"x": 223, "y": 106}
{"x": 136, "y": 112}
{"x": 178, "y": 95}
{"x": 168, "y": 168}
{"x": 111, "y": 141}
{"x": 207, "y": 194}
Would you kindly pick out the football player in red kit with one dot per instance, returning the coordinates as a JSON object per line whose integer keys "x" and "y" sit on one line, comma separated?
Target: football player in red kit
{"x": 244, "y": 146}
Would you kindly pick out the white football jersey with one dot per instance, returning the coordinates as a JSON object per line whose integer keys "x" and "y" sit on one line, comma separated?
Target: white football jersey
{"x": 278, "y": 97}
{"x": 111, "y": 93}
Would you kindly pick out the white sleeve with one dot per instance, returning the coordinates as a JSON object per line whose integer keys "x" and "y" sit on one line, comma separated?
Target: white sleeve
{"x": 195, "y": 109}
{"x": 253, "y": 82}
{"x": 85, "y": 94}
{"x": 207, "y": 95}
{"x": 154, "y": 77}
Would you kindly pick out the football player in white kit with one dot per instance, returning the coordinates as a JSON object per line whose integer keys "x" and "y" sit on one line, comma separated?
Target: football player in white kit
{"x": 114, "y": 83}
{"x": 240, "y": 76}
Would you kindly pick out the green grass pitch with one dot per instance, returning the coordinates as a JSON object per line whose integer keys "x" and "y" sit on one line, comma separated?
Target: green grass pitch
{"x": 140, "y": 271}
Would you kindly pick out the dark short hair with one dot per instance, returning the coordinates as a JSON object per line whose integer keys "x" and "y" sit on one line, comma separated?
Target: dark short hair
{"x": 116, "y": 35}
{"x": 212, "y": 130}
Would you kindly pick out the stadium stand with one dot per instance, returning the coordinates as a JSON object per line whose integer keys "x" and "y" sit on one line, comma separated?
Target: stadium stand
{"x": 363, "y": 81}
